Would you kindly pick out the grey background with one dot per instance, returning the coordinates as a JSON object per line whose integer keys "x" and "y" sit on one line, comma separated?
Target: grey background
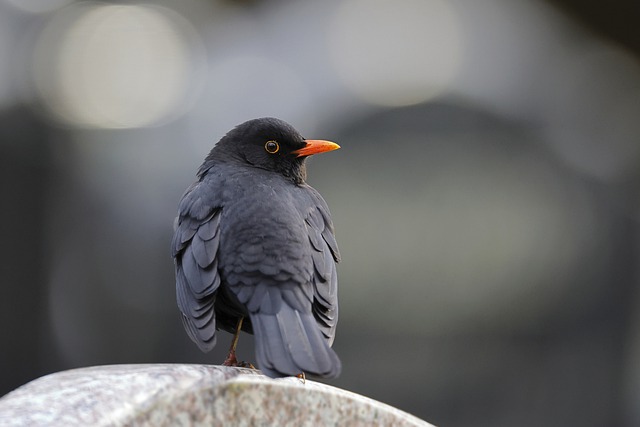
{"x": 489, "y": 234}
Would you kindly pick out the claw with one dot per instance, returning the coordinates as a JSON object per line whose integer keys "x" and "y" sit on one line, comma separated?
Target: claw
{"x": 302, "y": 378}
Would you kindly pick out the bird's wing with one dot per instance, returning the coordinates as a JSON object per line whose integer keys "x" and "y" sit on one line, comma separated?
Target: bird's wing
{"x": 325, "y": 255}
{"x": 195, "y": 247}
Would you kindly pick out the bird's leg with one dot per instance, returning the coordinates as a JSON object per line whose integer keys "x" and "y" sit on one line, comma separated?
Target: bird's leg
{"x": 231, "y": 359}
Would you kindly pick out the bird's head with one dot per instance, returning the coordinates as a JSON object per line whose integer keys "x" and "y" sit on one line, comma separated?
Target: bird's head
{"x": 269, "y": 144}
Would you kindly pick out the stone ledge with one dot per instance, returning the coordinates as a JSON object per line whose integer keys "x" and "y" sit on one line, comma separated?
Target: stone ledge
{"x": 173, "y": 394}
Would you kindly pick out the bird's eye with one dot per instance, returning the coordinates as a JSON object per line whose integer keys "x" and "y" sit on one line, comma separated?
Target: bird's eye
{"x": 272, "y": 147}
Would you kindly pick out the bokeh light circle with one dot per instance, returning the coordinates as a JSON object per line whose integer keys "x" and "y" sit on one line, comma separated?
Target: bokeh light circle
{"x": 116, "y": 66}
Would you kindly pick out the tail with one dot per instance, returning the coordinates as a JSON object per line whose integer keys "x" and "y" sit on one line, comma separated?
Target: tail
{"x": 289, "y": 343}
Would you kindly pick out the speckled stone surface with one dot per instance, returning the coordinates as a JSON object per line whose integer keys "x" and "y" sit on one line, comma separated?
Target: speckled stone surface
{"x": 185, "y": 395}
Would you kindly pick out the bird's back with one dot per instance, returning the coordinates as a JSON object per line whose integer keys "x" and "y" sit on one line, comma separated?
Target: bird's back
{"x": 265, "y": 259}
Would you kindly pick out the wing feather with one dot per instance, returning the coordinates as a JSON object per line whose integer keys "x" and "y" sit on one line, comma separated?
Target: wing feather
{"x": 195, "y": 250}
{"x": 325, "y": 255}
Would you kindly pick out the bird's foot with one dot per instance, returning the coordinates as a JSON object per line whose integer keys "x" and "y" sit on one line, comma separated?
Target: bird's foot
{"x": 302, "y": 378}
{"x": 232, "y": 360}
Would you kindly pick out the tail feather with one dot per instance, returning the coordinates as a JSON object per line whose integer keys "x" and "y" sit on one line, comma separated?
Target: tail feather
{"x": 273, "y": 360}
{"x": 290, "y": 343}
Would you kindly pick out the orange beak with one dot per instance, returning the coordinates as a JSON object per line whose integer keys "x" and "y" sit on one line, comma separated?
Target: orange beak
{"x": 315, "y": 146}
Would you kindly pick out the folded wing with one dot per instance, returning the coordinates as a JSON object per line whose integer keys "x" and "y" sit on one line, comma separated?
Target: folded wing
{"x": 195, "y": 248}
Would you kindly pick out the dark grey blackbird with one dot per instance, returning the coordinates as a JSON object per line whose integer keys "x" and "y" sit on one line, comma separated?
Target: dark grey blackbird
{"x": 254, "y": 250}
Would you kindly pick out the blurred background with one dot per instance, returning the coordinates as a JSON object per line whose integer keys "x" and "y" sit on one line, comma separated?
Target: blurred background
{"x": 486, "y": 196}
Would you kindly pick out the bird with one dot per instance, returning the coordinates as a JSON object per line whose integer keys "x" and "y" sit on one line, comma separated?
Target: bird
{"x": 254, "y": 250}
